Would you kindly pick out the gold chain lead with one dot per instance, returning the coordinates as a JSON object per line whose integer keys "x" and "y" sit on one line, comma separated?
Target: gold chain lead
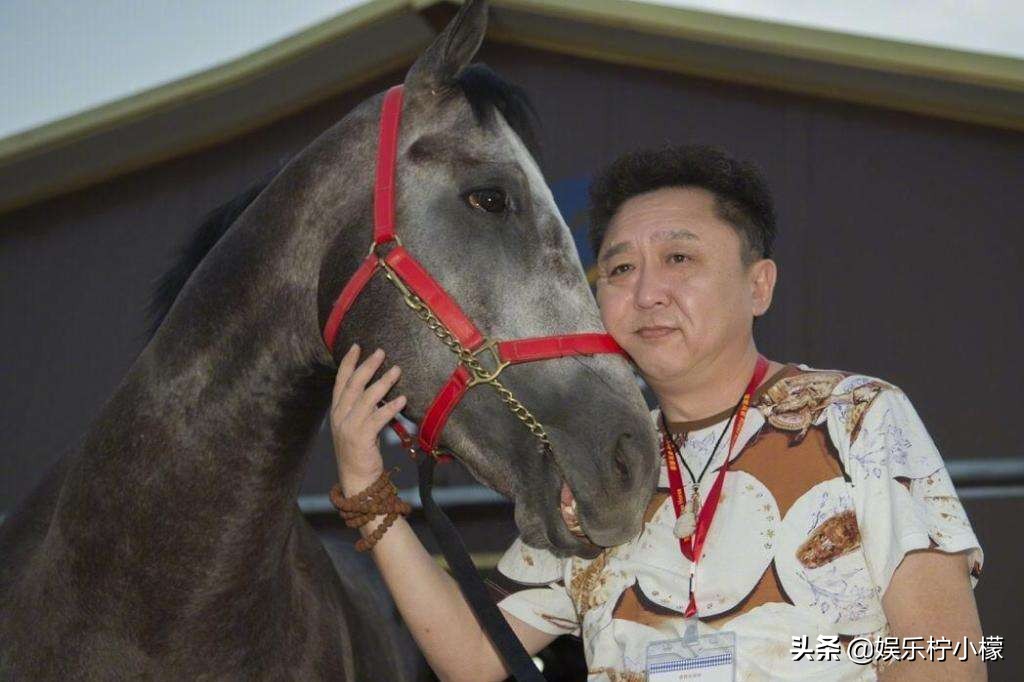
{"x": 480, "y": 374}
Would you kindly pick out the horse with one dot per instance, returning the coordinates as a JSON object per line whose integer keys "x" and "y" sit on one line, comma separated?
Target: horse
{"x": 167, "y": 542}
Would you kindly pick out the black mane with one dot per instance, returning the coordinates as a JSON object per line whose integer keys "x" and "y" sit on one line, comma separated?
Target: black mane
{"x": 213, "y": 227}
{"x": 488, "y": 92}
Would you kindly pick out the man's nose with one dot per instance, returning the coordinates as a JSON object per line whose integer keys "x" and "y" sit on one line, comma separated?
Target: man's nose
{"x": 650, "y": 290}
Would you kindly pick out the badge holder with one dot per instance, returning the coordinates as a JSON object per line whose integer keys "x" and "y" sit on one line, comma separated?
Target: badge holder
{"x": 705, "y": 658}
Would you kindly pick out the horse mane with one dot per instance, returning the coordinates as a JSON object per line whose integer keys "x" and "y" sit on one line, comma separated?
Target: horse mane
{"x": 486, "y": 92}
{"x": 209, "y": 232}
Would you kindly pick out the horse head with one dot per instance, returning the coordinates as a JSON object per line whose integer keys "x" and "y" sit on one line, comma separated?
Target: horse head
{"x": 472, "y": 206}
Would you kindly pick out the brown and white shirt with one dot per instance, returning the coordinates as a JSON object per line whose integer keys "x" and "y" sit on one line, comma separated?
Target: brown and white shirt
{"x": 833, "y": 481}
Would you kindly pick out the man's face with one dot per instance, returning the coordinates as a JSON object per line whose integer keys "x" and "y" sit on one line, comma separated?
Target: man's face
{"x": 672, "y": 285}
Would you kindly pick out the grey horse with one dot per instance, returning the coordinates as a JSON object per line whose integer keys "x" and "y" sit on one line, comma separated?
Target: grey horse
{"x": 167, "y": 542}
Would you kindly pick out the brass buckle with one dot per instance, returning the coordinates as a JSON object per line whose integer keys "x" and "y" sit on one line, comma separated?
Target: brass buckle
{"x": 410, "y": 299}
{"x": 487, "y": 376}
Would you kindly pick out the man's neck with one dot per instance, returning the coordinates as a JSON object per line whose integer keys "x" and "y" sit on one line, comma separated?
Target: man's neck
{"x": 710, "y": 389}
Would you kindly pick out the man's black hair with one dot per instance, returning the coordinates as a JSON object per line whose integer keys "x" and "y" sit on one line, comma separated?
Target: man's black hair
{"x": 741, "y": 194}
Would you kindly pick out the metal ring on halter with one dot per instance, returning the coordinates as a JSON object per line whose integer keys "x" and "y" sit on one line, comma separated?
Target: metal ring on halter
{"x": 373, "y": 245}
{"x": 486, "y": 377}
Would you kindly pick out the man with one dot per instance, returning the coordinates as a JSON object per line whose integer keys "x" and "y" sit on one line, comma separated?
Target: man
{"x": 833, "y": 516}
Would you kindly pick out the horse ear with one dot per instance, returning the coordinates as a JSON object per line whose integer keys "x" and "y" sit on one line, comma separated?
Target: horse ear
{"x": 451, "y": 51}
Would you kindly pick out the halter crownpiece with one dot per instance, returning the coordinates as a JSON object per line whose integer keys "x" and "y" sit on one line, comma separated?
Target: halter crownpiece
{"x": 432, "y": 304}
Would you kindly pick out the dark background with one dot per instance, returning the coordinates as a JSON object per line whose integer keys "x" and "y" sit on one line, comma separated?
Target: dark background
{"x": 899, "y": 255}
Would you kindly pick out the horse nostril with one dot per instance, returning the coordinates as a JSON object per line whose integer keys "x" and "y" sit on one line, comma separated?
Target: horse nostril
{"x": 621, "y": 459}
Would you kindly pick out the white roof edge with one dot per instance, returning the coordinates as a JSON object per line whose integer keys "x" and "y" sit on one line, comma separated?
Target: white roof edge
{"x": 668, "y": 17}
{"x": 992, "y": 87}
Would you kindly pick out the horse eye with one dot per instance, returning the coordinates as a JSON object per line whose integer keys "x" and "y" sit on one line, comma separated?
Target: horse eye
{"x": 490, "y": 200}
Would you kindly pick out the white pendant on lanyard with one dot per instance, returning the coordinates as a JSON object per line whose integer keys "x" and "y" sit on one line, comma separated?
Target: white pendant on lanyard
{"x": 687, "y": 521}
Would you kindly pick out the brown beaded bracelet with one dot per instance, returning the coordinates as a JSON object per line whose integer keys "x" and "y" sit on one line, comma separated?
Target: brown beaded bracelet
{"x": 380, "y": 498}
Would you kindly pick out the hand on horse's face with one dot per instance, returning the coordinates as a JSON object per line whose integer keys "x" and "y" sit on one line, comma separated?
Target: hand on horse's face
{"x": 357, "y": 418}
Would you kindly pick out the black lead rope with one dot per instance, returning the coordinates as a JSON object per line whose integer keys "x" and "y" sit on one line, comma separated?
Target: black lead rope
{"x": 494, "y": 624}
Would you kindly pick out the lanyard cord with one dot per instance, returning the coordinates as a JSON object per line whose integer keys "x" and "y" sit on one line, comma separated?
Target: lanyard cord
{"x": 692, "y": 545}
{"x": 675, "y": 449}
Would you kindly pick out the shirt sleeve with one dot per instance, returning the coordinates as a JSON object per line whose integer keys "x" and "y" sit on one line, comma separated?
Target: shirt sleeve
{"x": 903, "y": 495}
{"x": 530, "y": 586}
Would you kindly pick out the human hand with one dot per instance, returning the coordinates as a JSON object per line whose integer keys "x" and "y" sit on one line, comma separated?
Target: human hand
{"x": 357, "y": 418}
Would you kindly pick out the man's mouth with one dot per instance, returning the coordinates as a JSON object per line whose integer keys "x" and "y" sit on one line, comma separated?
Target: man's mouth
{"x": 654, "y": 332}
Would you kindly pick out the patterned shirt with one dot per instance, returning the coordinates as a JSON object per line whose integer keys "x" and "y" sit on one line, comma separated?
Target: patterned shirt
{"x": 833, "y": 481}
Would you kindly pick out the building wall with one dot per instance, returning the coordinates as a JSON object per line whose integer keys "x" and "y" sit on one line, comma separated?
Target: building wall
{"x": 899, "y": 253}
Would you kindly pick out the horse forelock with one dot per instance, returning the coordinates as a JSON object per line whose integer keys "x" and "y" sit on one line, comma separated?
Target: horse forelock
{"x": 488, "y": 93}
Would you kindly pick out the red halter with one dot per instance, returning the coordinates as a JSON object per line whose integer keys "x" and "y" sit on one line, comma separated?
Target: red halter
{"x": 413, "y": 280}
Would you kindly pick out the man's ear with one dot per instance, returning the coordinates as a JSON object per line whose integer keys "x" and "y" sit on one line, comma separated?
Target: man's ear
{"x": 451, "y": 51}
{"x": 762, "y": 275}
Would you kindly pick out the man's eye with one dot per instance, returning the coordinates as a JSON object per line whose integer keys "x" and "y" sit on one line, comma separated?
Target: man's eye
{"x": 679, "y": 257}
{"x": 619, "y": 269}
{"x": 489, "y": 200}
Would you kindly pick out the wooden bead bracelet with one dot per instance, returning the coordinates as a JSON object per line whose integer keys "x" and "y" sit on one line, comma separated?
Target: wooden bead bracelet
{"x": 379, "y": 499}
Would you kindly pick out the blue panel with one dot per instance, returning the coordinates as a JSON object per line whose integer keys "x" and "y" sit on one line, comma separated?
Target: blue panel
{"x": 571, "y": 197}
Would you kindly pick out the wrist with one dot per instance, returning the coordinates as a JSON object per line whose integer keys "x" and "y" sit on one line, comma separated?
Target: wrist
{"x": 354, "y": 482}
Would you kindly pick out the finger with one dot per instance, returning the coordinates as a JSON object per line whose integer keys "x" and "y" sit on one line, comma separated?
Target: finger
{"x": 367, "y": 402}
{"x": 345, "y": 369}
{"x": 366, "y": 369}
{"x": 356, "y": 383}
{"x": 383, "y": 415}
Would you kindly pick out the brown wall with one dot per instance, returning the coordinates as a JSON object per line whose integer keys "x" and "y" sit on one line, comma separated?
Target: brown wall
{"x": 900, "y": 257}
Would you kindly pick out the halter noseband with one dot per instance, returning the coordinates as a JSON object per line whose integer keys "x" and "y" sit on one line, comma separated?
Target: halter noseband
{"x": 432, "y": 304}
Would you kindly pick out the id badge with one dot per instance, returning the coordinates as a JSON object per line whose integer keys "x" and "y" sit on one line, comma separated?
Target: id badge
{"x": 705, "y": 658}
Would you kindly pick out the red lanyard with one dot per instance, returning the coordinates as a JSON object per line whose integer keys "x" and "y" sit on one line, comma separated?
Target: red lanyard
{"x": 692, "y": 546}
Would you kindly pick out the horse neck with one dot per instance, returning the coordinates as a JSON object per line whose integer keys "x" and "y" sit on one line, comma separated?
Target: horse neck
{"x": 199, "y": 454}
